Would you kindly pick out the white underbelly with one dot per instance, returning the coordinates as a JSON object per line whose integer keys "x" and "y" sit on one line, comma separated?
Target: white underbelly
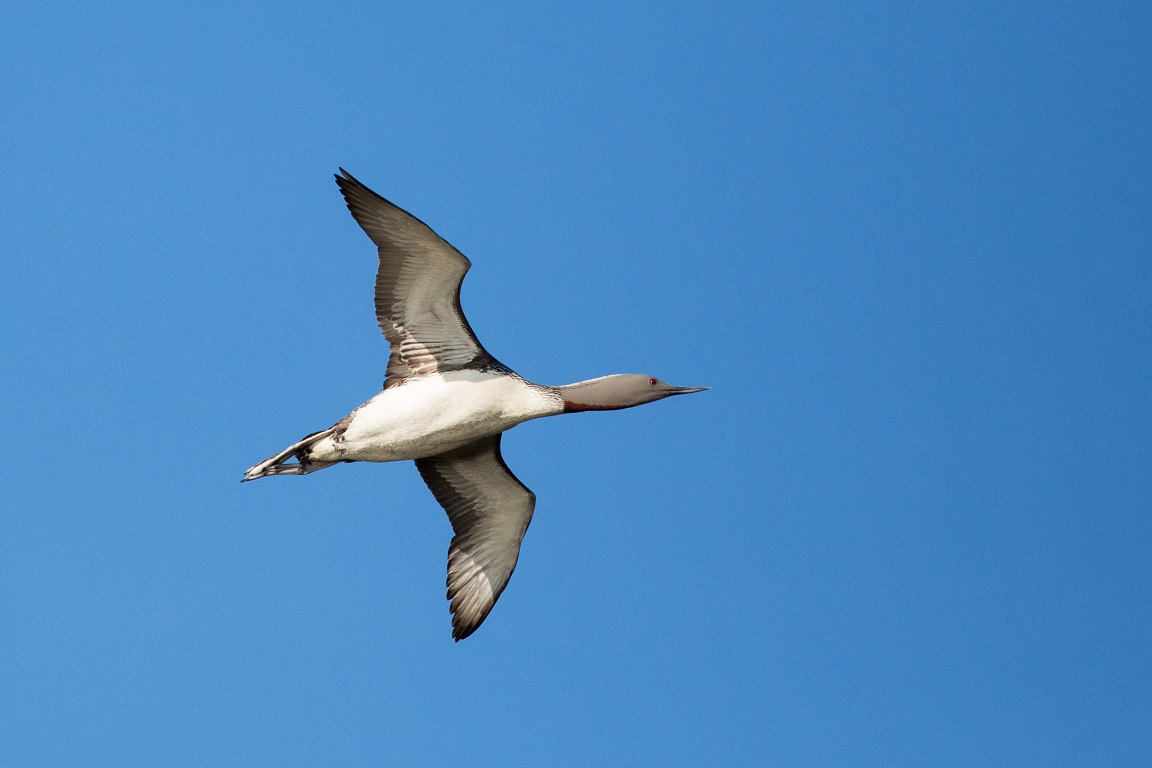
{"x": 432, "y": 415}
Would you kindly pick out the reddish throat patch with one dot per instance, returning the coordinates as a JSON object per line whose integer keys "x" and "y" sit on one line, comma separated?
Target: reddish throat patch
{"x": 570, "y": 407}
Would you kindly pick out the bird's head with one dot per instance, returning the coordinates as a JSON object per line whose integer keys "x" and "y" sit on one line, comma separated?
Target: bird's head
{"x": 622, "y": 390}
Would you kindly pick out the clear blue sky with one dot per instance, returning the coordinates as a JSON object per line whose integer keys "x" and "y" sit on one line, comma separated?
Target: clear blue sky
{"x": 908, "y": 245}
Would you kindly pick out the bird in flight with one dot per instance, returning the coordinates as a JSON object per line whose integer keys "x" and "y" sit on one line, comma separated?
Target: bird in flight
{"x": 445, "y": 403}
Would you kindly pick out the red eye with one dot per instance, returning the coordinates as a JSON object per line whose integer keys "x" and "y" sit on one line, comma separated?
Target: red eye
{"x": 652, "y": 382}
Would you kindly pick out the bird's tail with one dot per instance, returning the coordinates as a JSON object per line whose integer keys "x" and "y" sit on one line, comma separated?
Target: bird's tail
{"x": 276, "y": 465}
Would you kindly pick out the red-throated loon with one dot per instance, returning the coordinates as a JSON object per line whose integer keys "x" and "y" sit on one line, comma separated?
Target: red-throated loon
{"x": 445, "y": 403}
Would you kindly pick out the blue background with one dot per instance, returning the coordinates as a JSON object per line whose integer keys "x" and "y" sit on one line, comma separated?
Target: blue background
{"x": 908, "y": 245}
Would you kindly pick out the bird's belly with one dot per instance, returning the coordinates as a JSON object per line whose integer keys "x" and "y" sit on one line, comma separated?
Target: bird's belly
{"x": 375, "y": 435}
{"x": 428, "y": 418}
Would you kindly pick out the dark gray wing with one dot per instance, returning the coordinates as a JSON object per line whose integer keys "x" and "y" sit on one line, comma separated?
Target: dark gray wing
{"x": 489, "y": 510}
{"x": 417, "y": 287}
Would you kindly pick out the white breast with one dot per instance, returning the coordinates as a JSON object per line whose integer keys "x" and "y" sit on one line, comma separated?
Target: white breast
{"x": 429, "y": 415}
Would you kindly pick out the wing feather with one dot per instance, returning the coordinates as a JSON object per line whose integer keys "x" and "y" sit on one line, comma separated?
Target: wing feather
{"x": 490, "y": 511}
{"x": 417, "y": 288}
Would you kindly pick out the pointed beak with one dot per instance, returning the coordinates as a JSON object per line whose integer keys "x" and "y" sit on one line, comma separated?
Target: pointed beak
{"x": 685, "y": 390}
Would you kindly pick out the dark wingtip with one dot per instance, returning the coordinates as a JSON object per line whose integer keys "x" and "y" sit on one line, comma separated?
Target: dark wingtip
{"x": 351, "y": 187}
{"x": 459, "y": 631}
{"x": 345, "y": 180}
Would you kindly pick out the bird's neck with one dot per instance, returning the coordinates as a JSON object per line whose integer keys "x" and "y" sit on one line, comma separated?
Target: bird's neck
{"x": 591, "y": 395}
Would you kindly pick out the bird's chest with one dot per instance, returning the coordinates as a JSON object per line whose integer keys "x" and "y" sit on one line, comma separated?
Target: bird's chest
{"x": 430, "y": 416}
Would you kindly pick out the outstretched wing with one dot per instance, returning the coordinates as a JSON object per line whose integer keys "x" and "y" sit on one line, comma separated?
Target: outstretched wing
{"x": 489, "y": 510}
{"x": 417, "y": 288}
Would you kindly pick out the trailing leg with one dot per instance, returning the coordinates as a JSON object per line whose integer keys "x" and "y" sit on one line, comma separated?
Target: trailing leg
{"x": 279, "y": 464}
